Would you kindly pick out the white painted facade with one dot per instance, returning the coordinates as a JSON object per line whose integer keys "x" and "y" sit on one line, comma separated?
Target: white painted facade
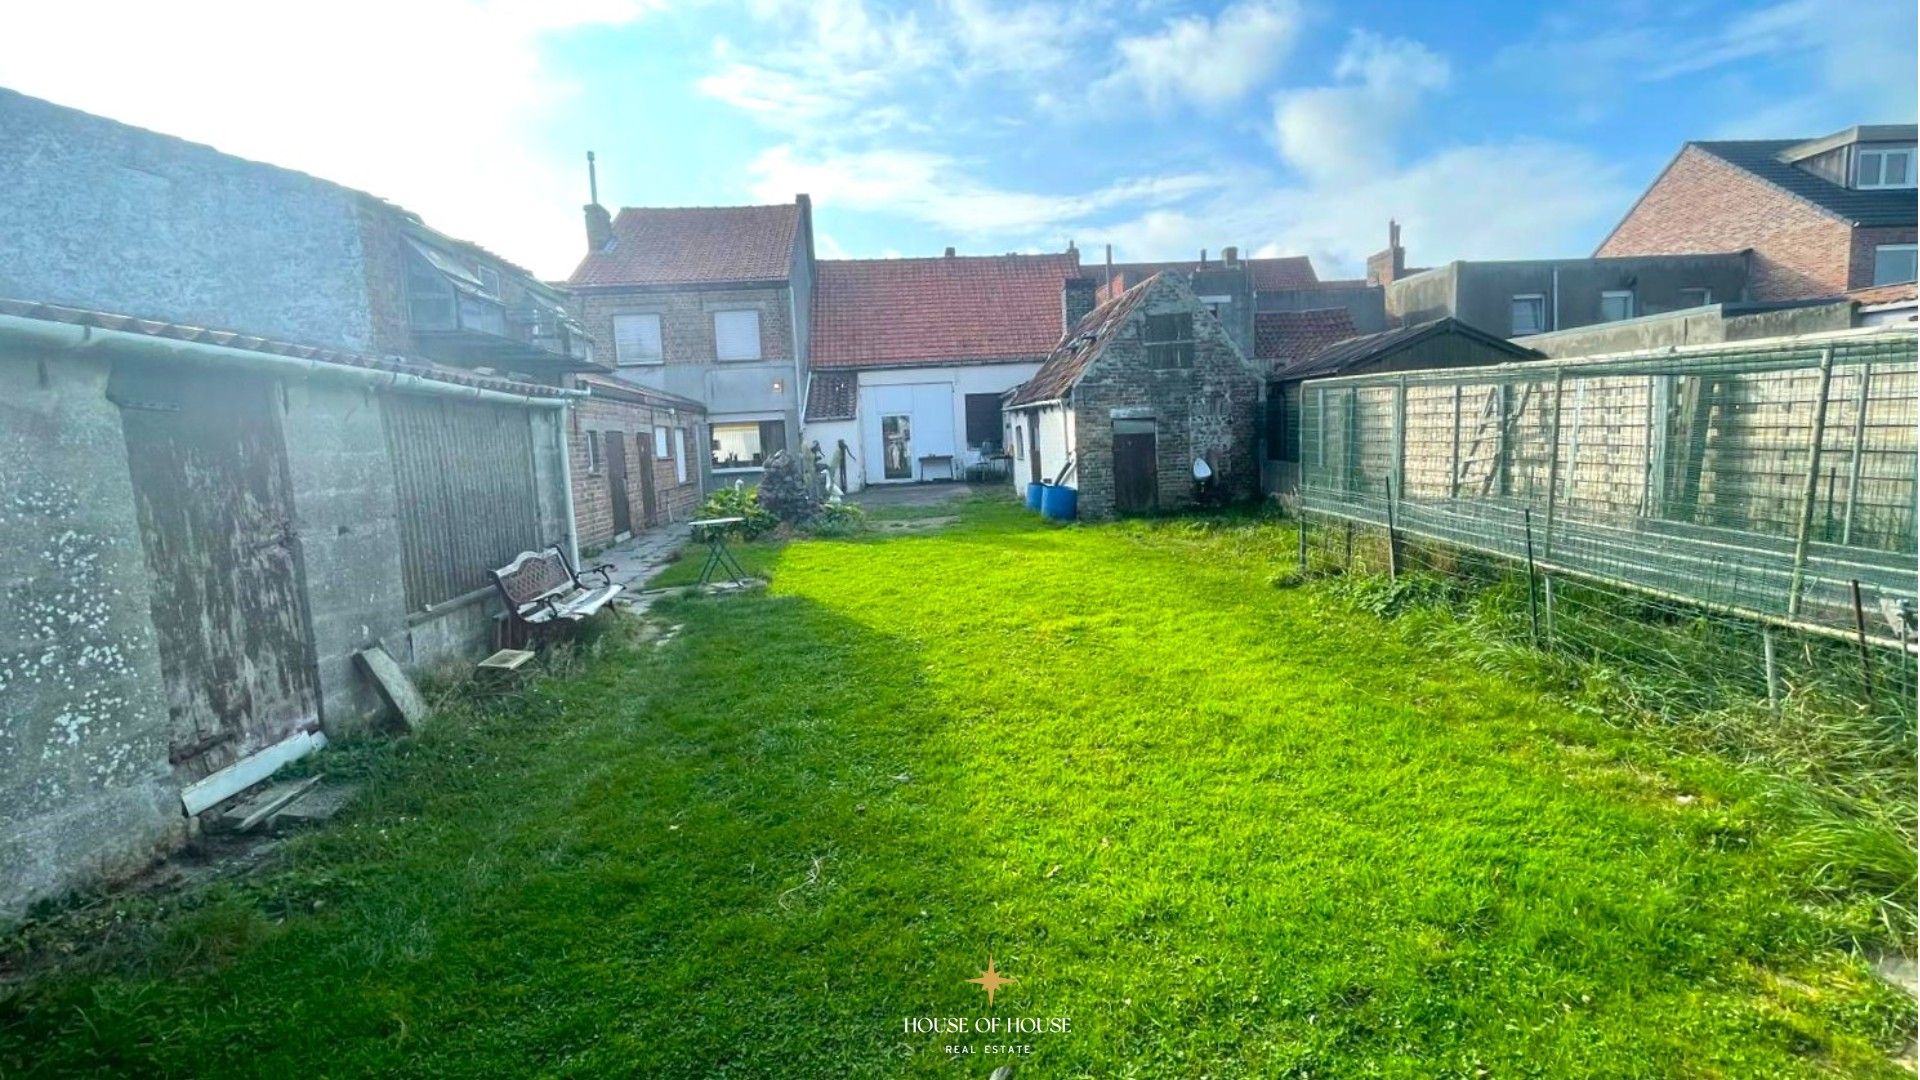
{"x": 908, "y": 414}
{"x": 1047, "y": 429}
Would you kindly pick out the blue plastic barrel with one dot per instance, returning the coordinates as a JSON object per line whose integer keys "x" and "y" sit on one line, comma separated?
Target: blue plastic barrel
{"x": 1033, "y": 495}
{"x": 1059, "y": 502}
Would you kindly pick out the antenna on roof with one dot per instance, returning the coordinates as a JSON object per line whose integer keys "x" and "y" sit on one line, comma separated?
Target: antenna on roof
{"x": 593, "y": 180}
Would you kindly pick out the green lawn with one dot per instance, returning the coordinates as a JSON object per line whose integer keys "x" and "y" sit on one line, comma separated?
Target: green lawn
{"x": 1224, "y": 829}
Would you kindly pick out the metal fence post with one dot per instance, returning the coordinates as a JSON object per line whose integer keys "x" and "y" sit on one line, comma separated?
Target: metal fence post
{"x": 1453, "y": 481}
{"x": 1393, "y": 535}
{"x": 1533, "y": 607}
{"x": 1553, "y": 462}
{"x": 1303, "y": 542}
{"x": 1796, "y": 587}
{"x": 1859, "y": 447}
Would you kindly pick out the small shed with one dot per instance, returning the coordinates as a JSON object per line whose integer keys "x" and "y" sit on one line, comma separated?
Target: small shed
{"x": 1441, "y": 343}
{"x": 1144, "y": 394}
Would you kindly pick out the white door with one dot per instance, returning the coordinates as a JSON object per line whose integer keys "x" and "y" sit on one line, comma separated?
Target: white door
{"x": 907, "y": 432}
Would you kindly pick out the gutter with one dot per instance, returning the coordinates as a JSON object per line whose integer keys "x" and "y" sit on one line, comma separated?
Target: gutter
{"x": 71, "y": 337}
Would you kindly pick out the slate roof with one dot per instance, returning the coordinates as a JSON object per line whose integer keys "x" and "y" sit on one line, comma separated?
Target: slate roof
{"x": 105, "y": 320}
{"x": 941, "y": 310}
{"x": 1343, "y": 356}
{"x": 1283, "y": 336}
{"x": 832, "y": 395}
{"x": 1069, "y": 359}
{"x": 1761, "y": 158}
{"x": 1269, "y": 275}
{"x": 694, "y": 245}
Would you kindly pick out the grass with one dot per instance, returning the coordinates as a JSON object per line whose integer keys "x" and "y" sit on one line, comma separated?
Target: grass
{"x": 1226, "y": 829}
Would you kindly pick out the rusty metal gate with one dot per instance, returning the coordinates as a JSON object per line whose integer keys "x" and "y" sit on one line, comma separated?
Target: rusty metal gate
{"x": 468, "y": 501}
{"x": 211, "y": 494}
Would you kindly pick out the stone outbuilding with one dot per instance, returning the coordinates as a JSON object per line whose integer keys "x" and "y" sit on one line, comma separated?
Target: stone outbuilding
{"x": 1142, "y": 396}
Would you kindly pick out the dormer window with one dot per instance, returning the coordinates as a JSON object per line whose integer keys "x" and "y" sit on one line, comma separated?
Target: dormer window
{"x": 1883, "y": 167}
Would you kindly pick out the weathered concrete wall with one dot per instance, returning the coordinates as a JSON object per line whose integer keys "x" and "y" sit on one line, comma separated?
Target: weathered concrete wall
{"x": 1481, "y": 293}
{"x": 1697, "y": 327}
{"x": 101, "y": 215}
{"x": 1367, "y": 304}
{"x": 85, "y": 786}
{"x": 346, "y": 526}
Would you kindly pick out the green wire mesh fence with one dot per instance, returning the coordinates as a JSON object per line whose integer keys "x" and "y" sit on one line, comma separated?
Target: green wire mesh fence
{"x": 1733, "y": 489}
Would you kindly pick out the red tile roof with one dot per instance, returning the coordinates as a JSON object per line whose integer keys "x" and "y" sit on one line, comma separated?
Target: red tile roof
{"x": 893, "y": 312}
{"x": 1088, "y": 339}
{"x": 832, "y": 395}
{"x": 1884, "y": 294}
{"x": 694, "y": 245}
{"x": 1283, "y": 336}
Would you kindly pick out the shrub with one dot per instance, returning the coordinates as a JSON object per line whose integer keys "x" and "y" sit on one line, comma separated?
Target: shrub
{"x": 838, "y": 519}
{"x": 740, "y": 501}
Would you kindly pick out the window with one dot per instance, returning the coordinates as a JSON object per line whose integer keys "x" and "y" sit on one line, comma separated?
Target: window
{"x": 1020, "y": 441}
{"x": 679, "y": 455}
{"x": 1892, "y": 264}
{"x": 1169, "y": 340}
{"x": 1884, "y": 167}
{"x": 636, "y": 340}
{"x": 662, "y": 449}
{"x": 746, "y": 444}
{"x": 1529, "y": 314}
{"x": 594, "y": 454}
{"x": 1215, "y": 303}
{"x": 1692, "y": 298}
{"x": 736, "y": 335}
{"x": 1616, "y": 304}
{"x": 983, "y": 420}
{"x": 489, "y": 280}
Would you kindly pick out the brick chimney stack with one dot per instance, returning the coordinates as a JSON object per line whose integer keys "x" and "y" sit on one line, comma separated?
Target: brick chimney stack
{"x": 1384, "y": 267}
{"x": 1076, "y": 300}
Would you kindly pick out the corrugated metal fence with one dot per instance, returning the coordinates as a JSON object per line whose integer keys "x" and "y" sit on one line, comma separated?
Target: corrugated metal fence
{"x": 468, "y": 500}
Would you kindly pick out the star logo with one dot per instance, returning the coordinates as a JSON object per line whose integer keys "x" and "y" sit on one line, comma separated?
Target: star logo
{"x": 991, "y": 981}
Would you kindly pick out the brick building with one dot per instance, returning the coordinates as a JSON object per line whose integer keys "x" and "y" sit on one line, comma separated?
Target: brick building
{"x": 636, "y": 459}
{"x": 912, "y": 357}
{"x": 1821, "y": 216}
{"x": 1143, "y": 388}
{"x": 712, "y": 304}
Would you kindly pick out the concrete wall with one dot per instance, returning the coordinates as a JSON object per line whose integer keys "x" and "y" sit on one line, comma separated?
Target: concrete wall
{"x": 1698, "y": 326}
{"x": 1366, "y": 304}
{"x": 86, "y": 789}
{"x": 1481, "y": 293}
{"x": 101, "y": 215}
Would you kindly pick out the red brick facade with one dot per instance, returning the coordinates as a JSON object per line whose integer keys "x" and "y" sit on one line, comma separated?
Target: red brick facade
{"x": 686, "y": 319}
{"x": 632, "y": 418}
{"x": 1704, "y": 204}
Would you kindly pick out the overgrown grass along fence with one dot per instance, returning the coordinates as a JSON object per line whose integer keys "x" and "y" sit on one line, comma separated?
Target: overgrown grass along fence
{"x": 1769, "y": 481}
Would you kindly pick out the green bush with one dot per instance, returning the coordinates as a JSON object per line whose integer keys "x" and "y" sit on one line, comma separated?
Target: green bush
{"x": 838, "y": 519}
{"x": 742, "y": 502}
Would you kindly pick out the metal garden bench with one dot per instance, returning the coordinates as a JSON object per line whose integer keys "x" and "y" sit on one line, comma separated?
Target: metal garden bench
{"x": 543, "y": 592}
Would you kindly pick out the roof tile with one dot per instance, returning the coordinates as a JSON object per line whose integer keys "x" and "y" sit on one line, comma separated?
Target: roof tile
{"x": 941, "y": 310}
{"x": 1087, "y": 339}
{"x": 1284, "y": 336}
{"x": 694, "y": 245}
{"x": 832, "y": 395}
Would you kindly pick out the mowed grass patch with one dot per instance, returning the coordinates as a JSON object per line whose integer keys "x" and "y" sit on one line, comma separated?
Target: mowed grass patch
{"x": 1226, "y": 829}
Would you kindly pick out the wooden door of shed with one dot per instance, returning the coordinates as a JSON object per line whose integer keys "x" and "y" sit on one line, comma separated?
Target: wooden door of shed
{"x": 1136, "y": 486}
{"x": 215, "y": 512}
{"x": 616, "y": 450}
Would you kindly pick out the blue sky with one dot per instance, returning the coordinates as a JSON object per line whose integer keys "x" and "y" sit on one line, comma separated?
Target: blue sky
{"x": 1495, "y": 130}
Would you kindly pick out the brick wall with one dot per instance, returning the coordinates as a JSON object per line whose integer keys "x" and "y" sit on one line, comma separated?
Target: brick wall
{"x": 1860, "y": 261}
{"x": 1210, "y": 410}
{"x": 1703, "y": 204}
{"x": 592, "y": 493}
{"x": 686, "y": 320}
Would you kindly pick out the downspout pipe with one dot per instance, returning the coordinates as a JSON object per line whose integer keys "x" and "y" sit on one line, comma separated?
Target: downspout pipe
{"x": 69, "y": 337}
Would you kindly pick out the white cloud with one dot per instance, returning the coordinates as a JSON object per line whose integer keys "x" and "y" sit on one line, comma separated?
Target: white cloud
{"x": 1349, "y": 129}
{"x": 820, "y": 65}
{"x": 1033, "y": 37}
{"x": 429, "y": 103}
{"x": 1206, "y": 61}
{"x": 935, "y": 188}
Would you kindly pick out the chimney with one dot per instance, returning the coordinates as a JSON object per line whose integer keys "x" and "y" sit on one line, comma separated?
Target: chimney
{"x": 599, "y": 222}
{"x": 1076, "y": 300}
{"x": 949, "y": 253}
{"x": 599, "y": 227}
{"x": 1230, "y": 256}
{"x": 1384, "y": 267}
{"x": 1203, "y": 257}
